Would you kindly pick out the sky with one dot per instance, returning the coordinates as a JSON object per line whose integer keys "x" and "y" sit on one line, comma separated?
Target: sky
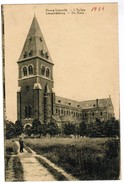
{"x": 83, "y": 47}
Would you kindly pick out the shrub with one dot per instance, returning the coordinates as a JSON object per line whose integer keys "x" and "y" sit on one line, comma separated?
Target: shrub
{"x": 10, "y": 131}
{"x": 11, "y": 147}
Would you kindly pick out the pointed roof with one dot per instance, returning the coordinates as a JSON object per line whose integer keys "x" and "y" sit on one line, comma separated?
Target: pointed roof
{"x": 35, "y": 44}
{"x": 37, "y": 86}
{"x": 67, "y": 119}
{"x": 56, "y": 118}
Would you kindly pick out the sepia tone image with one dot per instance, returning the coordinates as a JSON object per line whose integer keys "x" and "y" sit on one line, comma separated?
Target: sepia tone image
{"x": 61, "y": 92}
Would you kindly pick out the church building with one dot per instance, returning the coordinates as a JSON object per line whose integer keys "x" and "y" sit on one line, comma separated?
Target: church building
{"x": 36, "y": 98}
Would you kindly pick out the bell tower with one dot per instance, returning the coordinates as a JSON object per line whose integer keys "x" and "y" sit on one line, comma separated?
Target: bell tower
{"x": 35, "y": 96}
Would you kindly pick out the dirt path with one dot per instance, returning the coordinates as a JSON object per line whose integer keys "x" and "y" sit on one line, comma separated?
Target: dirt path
{"x": 29, "y": 166}
{"x": 33, "y": 170}
{"x": 55, "y": 167}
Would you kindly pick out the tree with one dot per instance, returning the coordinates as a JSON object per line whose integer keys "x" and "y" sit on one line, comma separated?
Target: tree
{"x": 95, "y": 129}
{"x": 10, "y": 131}
{"x": 18, "y": 127}
{"x": 37, "y": 127}
{"x": 77, "y": 130}
{"x": 83, "y": 128}
{"x": 112, "y": 128}
{"x": 69, "y": 129}
{"x": 99, "y": 128}
{"x": 52, "y": 129}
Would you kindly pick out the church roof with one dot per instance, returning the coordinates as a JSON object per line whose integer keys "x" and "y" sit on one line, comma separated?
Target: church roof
{"x": 83, "y": 104}
{"x": 35, "y": 44}
{"x": 67, "y": 119}
{"x": 56, "y": 118}
{"x": 67, "y": 102}
{"x": 92, "y": 103}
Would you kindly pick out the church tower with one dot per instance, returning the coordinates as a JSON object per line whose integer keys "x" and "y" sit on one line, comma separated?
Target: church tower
{"x": 35, "y": 96}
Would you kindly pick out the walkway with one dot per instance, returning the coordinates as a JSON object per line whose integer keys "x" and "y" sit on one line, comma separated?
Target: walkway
{"x": 55, "y": 167}
{"x": 33, "y": 170}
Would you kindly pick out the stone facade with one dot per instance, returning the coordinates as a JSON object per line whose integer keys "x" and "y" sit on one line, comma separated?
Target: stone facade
{"x": 35, "y": 96}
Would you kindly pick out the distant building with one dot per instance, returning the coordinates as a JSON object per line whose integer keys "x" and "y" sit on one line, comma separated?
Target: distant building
{"x": 36, "y": 98}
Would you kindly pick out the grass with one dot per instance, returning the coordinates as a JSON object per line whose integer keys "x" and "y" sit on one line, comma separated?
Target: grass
{"x": 43, "y": 144}
{"x": 54, "y": 172}
{"x": 14, "y": 169}
{"x": 11, "y": 147}
{"x": 84, "y": 158}
{"x": 18, "y": 169}
{"x": 13, "y": 166}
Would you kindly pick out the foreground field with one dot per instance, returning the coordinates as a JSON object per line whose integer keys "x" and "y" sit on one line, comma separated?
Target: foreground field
{"x": 85, "y": 158}
{"x": 13, "y": 167}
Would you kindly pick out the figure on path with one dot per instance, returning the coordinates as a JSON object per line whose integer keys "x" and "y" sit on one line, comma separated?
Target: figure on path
{"x": 21, "y": 143}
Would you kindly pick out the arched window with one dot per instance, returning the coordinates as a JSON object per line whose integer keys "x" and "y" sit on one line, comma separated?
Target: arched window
{"x": 43, "y": 70}
{"x": 47, "y": 72}
{"x": 30, "y": 53}
{"x": 47, "y": 56}
{"x": 62, "y": 111}
{"x": 42, "y": 53}
{"x": 24, "y": 71}
{"x": 93, "y": 114}
{"x": 28, "y": 111}
{"x": 25, "y": 54}
{"x": 30, "y": 70}
{"x": 41, "y": 39}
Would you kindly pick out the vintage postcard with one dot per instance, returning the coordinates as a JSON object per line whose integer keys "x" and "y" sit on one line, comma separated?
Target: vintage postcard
{"x": 61, "y": 92}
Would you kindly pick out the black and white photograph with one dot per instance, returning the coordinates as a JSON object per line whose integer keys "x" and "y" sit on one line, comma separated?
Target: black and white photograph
{"x": 61, "y": 92}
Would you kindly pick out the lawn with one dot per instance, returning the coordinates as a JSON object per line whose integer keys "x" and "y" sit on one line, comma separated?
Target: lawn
{"x": 13, "y": 166}
{"x": 84, "y": 158}
{"x": 10, "y": 147}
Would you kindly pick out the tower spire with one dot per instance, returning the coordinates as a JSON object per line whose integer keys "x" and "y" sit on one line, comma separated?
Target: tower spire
{"x": 35, "y": 44}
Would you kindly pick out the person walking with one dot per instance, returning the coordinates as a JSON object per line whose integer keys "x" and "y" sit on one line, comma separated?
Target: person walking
{"x": 21, "y": 143}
